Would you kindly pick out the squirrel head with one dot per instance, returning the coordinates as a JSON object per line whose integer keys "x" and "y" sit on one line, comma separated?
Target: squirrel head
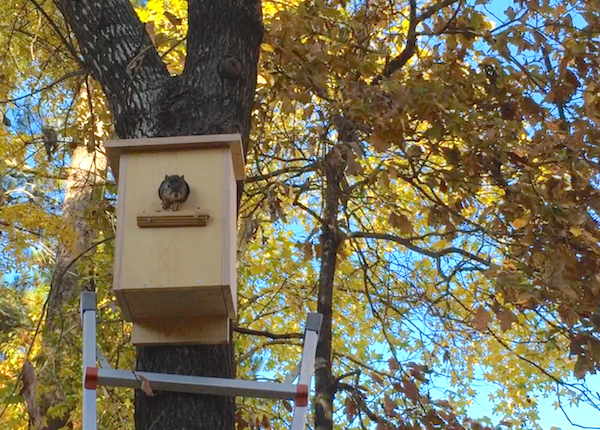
{"x": 176, "y": 184}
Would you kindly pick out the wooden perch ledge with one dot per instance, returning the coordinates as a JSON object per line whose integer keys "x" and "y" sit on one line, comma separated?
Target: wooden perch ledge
{"x": 162, "y": 219}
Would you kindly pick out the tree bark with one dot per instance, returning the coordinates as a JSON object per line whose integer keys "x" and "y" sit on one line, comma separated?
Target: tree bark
{"x": 213, "y": 95}
{"x": 84, "y": 175}
{"x": 333, "y": 167}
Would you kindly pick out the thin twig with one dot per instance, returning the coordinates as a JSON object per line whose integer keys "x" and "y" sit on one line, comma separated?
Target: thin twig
{"x": 46, "y": 87}
{"x": 408, "y": 244}
{"x": 58, "y": 33}
{"x": 243, "y": 330}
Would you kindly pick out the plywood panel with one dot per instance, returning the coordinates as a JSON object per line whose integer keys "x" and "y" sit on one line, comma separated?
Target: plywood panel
{"x": 179, "y": 302}
{"x": 178, "y": 285}
{"x": 181, "y": 331}
{"x": 181, "y": 257}
{"x": 116, "y": 148}
{"x": 230, "y": 254}
{"x": 119, "y": 239}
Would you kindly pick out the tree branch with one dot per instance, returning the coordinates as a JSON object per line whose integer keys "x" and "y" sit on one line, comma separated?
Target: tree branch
{"x": 434, "y": 8}
{"x": 46, "y": 87}
{"x": 290, "y": 169}
{"x": 309, "y": 211}
{"x": 408, "y": 244}
{"x": 110, "y": 36}
{"x": 60, "y": 35}
{"x": 411, "y": 40}
{"x": 270, "y": 335}
{"x": 411, "y": 43}
{"x": 360, "y": 402}
{"x": 257, "y": 348}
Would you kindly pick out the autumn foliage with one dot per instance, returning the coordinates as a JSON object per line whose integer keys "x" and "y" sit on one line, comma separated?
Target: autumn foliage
{"x": 425, "y": 173}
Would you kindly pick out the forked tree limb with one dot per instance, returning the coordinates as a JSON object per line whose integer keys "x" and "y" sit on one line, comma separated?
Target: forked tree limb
{"x": 411, "y": 40}
{"x": 118, "y": 52}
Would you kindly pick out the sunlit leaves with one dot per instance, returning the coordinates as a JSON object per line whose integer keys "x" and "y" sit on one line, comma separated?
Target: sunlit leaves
{"x": 166, "y": 24}
{"x": 468, "y": 200}
{"x": 464, "y": 147}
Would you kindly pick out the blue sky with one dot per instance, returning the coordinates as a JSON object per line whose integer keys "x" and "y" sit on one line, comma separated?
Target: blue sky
{"x": 582, "y": 415}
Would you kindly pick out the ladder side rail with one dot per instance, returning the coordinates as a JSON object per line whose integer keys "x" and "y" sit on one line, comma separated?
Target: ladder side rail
{"x": 88, "y": 320}
{"x": 307, "y": 367}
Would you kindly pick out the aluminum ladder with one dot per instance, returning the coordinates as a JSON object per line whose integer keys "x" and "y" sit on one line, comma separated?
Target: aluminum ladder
{"x": 104, "y": 375}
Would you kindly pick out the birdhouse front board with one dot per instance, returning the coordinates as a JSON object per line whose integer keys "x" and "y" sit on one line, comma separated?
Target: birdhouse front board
{"x": 175, "y": 274}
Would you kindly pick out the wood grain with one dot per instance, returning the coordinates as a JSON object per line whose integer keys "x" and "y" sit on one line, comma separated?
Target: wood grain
{"x": 161, "y": 220}
{"x": 116, "y": 148}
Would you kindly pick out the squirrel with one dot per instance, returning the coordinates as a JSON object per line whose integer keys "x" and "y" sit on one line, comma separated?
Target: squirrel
{"x": 50, "y": 139}
{"x": 173, "y": 191}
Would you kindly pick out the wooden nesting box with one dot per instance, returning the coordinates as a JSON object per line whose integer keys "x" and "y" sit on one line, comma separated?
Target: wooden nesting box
{"x": 175, "y": 274}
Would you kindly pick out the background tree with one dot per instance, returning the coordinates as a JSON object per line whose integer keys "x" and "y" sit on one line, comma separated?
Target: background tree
{"x": 423, "y": 173}
{"x": 456, "y": 136}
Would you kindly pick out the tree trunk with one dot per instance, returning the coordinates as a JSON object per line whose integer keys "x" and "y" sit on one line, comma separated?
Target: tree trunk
{"x": 333, "y": 167}
{"x": 213, "y": 95}
{"x": 83, "y": 177}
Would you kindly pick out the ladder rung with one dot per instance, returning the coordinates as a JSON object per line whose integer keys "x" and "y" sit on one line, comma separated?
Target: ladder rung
{"x": 196, "y": 384}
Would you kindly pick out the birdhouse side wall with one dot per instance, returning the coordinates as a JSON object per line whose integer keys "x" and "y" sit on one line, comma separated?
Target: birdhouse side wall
{"x": 230, "y": 256}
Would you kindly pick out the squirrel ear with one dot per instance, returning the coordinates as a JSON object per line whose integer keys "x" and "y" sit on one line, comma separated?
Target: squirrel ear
{"x": 182, "y": 176}
{"x": 166, "y": 176}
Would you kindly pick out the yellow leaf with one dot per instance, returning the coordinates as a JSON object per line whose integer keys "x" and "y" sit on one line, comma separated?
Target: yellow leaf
{"x": 439, "y": 245}
{"x": 520, "y": 222}
{"x": 575, "y": 231}
{"x": 257, "y": 269}
{"x": 266, "y": 47}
